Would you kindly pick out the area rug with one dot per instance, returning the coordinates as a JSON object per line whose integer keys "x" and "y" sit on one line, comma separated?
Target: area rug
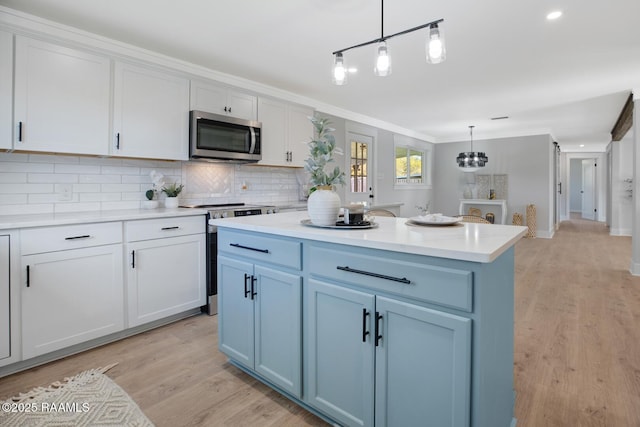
{"x": 87, "y": 399}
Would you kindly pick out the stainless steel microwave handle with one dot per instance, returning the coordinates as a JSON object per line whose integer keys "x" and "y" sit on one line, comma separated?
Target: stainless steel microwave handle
{"x": 253, "y": 140}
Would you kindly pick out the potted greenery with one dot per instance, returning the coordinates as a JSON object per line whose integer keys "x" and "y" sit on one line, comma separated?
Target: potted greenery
{"x": 323, "y": 204}
{"x": 172, "y": 191}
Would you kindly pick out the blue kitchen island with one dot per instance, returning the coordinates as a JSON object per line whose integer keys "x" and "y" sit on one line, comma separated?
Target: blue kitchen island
{"x": 398, "y": 325}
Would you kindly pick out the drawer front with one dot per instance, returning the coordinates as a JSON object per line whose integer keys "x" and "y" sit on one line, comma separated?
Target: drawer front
{"x": 49, "y": 239}
{"x": 439, "y": 285}
{"x": 259, "y": 247}
{"x": 147, "y": 229}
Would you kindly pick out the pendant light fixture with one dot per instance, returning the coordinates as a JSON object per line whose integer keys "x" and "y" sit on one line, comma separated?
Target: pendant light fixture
{"x": 470, "y": 161}
{"x": 435, "y": 49}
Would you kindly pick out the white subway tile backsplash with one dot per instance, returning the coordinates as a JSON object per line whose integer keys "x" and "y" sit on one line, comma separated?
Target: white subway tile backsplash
{"x": 35, "y": 183}
{"x": 55, "y": 178}
{"x": 12, "y": 177}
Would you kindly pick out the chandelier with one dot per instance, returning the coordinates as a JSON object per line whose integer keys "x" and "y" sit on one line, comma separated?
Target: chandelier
{"x": 470, "y": 161}
{"x": 435, "y": 50}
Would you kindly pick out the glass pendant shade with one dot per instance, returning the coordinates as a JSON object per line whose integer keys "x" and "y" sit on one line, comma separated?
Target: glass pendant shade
{"x": 339, "y": 70}
{"x": 383, "y": 61}
{"x": 436, "y": 50}
{"x": 470, "y": 161}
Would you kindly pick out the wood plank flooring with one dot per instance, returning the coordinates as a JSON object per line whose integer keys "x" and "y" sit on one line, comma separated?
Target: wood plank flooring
{"x": 577, "y": 349}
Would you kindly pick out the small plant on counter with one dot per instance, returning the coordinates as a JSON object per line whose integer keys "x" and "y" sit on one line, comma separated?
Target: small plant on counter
{"x": 321, "y": 151}
{"x": 172, "y": 190}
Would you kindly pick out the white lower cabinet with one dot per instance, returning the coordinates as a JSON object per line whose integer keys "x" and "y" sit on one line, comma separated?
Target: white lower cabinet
{"x": 70, "y": 296}
{"x": 5, "y": 311}
{"x": 166, "y": 267}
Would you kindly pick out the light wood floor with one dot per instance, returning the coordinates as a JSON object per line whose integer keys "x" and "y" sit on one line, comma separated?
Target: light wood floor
{"x": 577, "y": 349}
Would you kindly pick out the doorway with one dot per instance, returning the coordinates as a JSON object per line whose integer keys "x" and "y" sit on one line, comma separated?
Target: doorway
{"x": 360, "y": 162}
{"x": 582, "y": 188}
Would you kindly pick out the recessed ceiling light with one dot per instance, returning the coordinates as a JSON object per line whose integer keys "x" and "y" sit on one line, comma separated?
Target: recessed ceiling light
{"x": 554, "y": 15}
{"x": 581, "y": 145}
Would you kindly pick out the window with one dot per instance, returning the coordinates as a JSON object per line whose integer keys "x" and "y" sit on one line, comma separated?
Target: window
{"x": 410, "y": 166}
{"x": 358, "y": 166}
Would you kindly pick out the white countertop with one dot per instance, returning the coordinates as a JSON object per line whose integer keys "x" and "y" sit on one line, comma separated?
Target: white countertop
{"x": 49, "y": 219}
{"x": 463, "y": 241}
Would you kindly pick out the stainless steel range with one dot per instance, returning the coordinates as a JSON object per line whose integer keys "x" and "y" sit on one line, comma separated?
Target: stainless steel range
{"x": 228, "y": 210}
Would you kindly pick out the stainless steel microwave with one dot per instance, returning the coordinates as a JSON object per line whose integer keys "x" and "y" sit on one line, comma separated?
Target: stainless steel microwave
{"x": 215, "y": 137}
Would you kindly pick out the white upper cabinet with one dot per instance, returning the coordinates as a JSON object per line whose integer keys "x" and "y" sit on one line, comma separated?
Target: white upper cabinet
{"x": 223, "y": 100}
{"x": 285, "y": 131}
{"x": 6, "y": 74}
{"x": 61, "y": 99}
{"x": 151, "y": 114}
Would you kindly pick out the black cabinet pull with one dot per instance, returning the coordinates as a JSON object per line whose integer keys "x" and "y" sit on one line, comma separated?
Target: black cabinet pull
{"x": 118, "y": 141}
{"x": 19, "y": 131}
{"x": 246, "y": 289}
{"x": 133, "y": 259}
{"x": 254, "y": 279}
{"x": 229, "y": 109}
{"x": 377, "y": 328}
{"x": 84, "y": 236}
{"x": 365, "y": 313}
{"x": 28, "y": 276}
{"x": 237, "y": 245}
{"x": 170, "y": 228}
{"x": 379, "y": 276}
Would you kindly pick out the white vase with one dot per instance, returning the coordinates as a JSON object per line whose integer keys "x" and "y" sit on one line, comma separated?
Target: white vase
{"x": 171, "y": 202}
{"x": 149, "y": 204}
{"x": 324, "y": 206}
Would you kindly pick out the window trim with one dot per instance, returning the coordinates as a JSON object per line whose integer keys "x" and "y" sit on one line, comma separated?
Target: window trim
{"x": 427, "y": 156}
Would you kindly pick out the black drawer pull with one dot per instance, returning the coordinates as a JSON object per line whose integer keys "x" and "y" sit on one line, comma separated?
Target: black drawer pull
{"x": 19, "y": 131}
{"x": 365, "y": 313}
{"x": 175, "y": 227}
{"x": 133, "y": 259}
{"x": 84, "y": 236}
{"x": 379, "y": 276}
{"x": 28, "y": 276}
{"x": 118, "y": 141}
{"x": 236, "y": 245}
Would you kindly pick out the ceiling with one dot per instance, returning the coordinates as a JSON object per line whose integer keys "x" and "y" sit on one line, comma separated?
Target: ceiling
{"x": 569, "y": 77}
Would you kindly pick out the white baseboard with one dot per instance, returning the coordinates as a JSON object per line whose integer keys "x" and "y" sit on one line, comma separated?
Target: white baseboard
{"x": 635, "y": 268}
{"x": 620, "y": 232}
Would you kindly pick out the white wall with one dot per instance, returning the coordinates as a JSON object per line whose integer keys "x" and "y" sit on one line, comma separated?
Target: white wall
{"x": 33, "y": 183}
{"x": 621, "y": 199}
{"x": 528, "y": 162}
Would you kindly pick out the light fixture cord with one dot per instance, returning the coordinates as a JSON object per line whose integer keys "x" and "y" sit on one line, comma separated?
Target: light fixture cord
{"x": 471, "y": 133}
{"x": 381, "y": 19}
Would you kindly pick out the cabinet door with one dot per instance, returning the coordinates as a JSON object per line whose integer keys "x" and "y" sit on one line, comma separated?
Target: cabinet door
{"x": 165, "y": 277}
{"x": 69, "y": 297}
{"x": 340, "y": 353}
{"x": 235, "y": 310}
{"x": 273, "y": 115}
{"x": 6, "y": 89}
{"x": 300, "y": 133}
{"x": 61, "y": 99}
{"x": 242, "y": 105}
{"x": 151, "y": 114}
{"x": 422, "y": 366}
{"x": 5, "y": 323}
{"x": 278, "y": 335}
{"x": 222, "y": 100}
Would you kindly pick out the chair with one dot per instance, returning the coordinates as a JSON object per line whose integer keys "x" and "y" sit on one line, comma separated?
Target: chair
{"x": 380, "y": 212}
{"x": 474, "y": 212}
{"x": 473, "y": 218}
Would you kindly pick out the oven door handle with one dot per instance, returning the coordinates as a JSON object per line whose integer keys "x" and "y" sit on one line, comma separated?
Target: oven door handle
{"x": 237, "y": 245}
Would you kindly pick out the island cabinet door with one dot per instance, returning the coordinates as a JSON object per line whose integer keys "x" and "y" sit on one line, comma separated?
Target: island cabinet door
{"x": 278, "y": 335}
{"x": 422, "y": 366}
{"x": 340, "y": 353}
{"x": 235, "y": 310}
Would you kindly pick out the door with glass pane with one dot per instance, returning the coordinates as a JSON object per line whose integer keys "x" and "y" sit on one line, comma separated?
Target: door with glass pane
{"x": 360, "y": 174}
